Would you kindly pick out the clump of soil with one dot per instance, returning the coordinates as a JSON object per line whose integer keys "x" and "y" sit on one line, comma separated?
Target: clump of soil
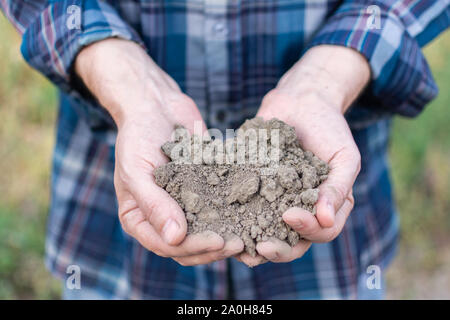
{"x": 242, "y": 186}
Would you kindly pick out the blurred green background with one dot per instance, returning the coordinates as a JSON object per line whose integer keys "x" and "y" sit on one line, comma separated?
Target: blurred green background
{"x": 420, "y": 152}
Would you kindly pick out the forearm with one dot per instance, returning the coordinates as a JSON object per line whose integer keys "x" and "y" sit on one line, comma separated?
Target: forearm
{"x": 123, "y": 78}
{"x": 336, "y": 74}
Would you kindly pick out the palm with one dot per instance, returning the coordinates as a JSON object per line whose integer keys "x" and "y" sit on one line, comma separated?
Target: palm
{"x": 322, "y": 129}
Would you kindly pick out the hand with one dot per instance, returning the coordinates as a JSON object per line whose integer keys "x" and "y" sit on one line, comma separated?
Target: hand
{"x": 312, "y": 97}
{"x": 146, "y": 103}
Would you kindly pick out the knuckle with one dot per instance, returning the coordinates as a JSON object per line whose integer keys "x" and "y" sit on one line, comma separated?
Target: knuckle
{"x": 274, "y": 257}
{"x": 152, "y": 207}
{"x": 352, "y": 203}
{"x": 351, "y": 198}
{"x": 271, "y": 96}
{"x": 331, "y": 235}
{"x": 182, "y": 262}
{"x": 124, "y": 226}
{"x": 125, "y": 222}
{"x": 150, "y": 247}
{"x": 161, "y": 253}
{"x": 185, "y": 100}
{"x": 116, "y": 180}
{"x": 124, "y": 174}
{"x": 191, "y": 260}
{"x": 335, "y": 232}
{"x": 123, "y": 177}
{"x": 340, "y": 192}
{"x": 223, "y": 254}
{"x": 357, "y": 160}
{"x": 220, "y": 256}
{"x": 195, "y": 260}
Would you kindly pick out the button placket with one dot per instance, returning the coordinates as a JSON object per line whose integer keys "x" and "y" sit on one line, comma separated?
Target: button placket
{"x": 217, "y": 68}
{"x": 220, "y": 29}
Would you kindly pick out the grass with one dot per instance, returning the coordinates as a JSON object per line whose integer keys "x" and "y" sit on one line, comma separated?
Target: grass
{"x": 420, "y": 157}
{"x": 27, "y": 111}
{"x": 420, "y": 151}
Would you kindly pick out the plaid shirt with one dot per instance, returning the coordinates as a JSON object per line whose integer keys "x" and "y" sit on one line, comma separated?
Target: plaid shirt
{"x": 226, "y": 55}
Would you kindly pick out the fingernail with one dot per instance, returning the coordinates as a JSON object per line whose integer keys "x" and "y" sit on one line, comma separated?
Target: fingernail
{"x": 170, "y": 230}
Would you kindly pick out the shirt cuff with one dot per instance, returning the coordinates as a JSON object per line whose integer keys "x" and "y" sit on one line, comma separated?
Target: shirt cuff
{"x": 401, "y": 77}
{"x": 52, "y": 41}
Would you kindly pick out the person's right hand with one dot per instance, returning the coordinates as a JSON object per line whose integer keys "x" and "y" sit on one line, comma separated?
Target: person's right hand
{"x": 146, "y": 103}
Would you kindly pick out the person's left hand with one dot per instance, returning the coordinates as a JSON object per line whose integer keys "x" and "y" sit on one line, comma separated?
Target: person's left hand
{"x": 315, "y": 109}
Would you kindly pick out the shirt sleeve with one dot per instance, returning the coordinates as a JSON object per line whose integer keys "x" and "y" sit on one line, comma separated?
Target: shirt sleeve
{"x": 390, "y": 34}
{"x": 53, "y": 32}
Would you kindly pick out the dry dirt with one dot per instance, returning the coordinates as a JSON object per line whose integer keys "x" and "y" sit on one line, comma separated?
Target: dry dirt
{"x": 242, "y": 197}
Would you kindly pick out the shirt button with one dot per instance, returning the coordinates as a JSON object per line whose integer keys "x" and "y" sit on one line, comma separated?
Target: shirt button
{"x": 220, "y": 116}
{"x": 220, "y": 28}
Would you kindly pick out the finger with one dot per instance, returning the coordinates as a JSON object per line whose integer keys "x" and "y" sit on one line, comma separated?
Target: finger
{"x": 301, "y": 220}
{"x": 309, "y": 228}
{"x": 163, "y": 212}
{"x": 344, "y": 168}
{"x": 193, "y": 244}
{"x": 276, "y": 250}
{"x": 233, "y": 246}
{"x": 140, "y": 229}
{"x": 250, "y": 260}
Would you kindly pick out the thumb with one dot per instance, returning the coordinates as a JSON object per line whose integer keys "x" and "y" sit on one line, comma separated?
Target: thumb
{"x": 163, "y": 212}
{"x": 344, "y": 168}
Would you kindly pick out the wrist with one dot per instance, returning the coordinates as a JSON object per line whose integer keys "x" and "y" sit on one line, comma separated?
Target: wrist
{"x": 124, "y": 79}
{"x": 336, "y": 75}
{"x": 310, "y": 83}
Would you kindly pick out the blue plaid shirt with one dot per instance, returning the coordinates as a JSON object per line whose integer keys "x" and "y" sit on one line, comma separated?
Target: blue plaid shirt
{"x": 226, "y": 55}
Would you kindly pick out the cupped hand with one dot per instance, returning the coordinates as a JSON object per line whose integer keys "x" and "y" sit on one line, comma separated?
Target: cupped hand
{"x": 321, "y": 128}
{"x": 146, "y": 211}
{"x": 146, "y": 104}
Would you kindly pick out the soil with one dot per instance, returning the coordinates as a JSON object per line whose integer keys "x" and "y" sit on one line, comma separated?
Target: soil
{"x": 221, "y": 193}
